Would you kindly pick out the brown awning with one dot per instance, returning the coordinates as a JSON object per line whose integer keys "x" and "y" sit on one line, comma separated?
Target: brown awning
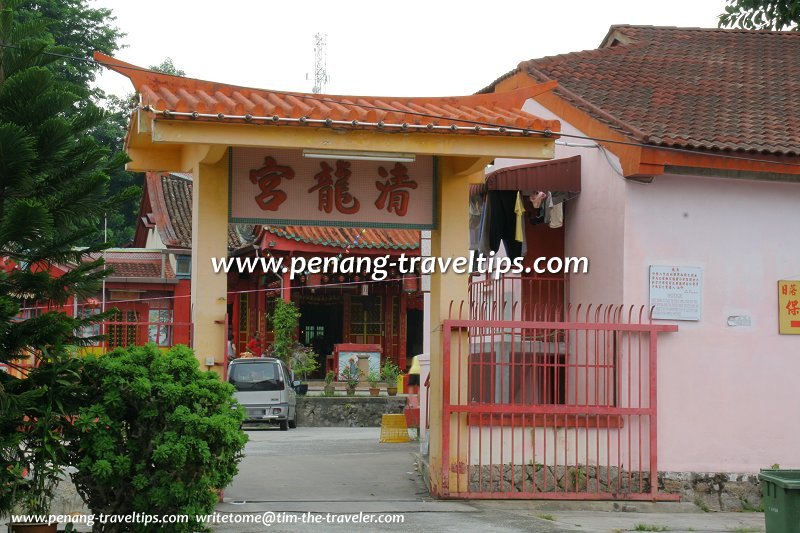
{"x": 555, "y": 175}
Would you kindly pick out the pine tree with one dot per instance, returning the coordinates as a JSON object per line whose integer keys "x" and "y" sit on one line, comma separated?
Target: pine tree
{"x": 53, "y": 194}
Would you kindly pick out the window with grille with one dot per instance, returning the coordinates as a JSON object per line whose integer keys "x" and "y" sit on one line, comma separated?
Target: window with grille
{"x": 91, "y": 330}
{"x": 159, "y": 328}
{"x": 366, "y": 317}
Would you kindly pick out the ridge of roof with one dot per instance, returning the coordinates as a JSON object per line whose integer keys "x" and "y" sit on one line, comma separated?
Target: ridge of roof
{"x": 180, "y": 98}
{"x": 702, "y": 89}
{"x": 329, "y": 236}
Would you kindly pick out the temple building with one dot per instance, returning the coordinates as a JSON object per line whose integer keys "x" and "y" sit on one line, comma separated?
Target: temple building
{"x": 335, "y": 308}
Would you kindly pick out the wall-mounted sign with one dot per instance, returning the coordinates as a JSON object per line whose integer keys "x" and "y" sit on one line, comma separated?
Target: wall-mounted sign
{"x": 676, "y": 292}
{"x": 789, "y": 307}
{"x": 272, "y": 186}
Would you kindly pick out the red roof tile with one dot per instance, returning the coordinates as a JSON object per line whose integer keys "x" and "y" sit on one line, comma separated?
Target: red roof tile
{"x": 190, "y": 99}
{"x": 387, "y": 239}
{"x": 170, "y": 196}
{"x": 705, "y": 89}
{"x": 133, "y": 263}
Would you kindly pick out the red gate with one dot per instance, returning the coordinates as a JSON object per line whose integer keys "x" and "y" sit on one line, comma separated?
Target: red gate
{"x": 558, "y": 404}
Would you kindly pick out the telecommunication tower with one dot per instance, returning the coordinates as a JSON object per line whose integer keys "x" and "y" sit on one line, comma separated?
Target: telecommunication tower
{"x": 320, "y": 68}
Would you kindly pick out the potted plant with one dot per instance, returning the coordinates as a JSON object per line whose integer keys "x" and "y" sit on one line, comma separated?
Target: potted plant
{"x": 374, "y": 379}
{"x": 390, "y": 372}
{"x": 330, "y": 388}
{"x": 303, "y": 362}
{"x": 351, "y": 375}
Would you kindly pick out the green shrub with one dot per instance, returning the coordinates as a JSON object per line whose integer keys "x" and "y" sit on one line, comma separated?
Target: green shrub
{"x": 155, "y": 435}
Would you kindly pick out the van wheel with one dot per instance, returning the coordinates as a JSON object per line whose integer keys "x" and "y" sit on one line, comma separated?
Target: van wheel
{"x": 284, "y": 425}
{"x": 293, "y": 422}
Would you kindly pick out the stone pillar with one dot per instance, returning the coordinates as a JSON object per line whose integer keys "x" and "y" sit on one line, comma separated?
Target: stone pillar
{"x": 209, "y": 239}
{"x": 450, "y": 239}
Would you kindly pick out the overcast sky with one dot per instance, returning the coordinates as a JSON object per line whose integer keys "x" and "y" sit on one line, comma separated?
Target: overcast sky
{"x": 402, "y": 48}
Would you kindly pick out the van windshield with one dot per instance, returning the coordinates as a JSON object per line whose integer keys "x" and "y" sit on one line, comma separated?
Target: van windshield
{"x": 260, "y": 376}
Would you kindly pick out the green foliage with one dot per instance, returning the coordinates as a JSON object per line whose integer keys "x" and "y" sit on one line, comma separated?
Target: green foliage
{"x": 303, "y": 360}
{"x": 698, "y": 501}
{"x": 53, "y": 190}
{"x": 577, "y": 476}
{"x": 284, "y": 320}
{"x": 34, "y": 413}
{"x": 79, "y": 28}
{"x": 650, "y": 527}
{"x": 53, "y": 193}
{"x": 761, "y": 14}
{"x": 168, "y": 67}
{"x": 329, "y": 377}
{"x": 374, "y": 378}
{"x": 390, "y": 372}
{"x": 154, "y": 435}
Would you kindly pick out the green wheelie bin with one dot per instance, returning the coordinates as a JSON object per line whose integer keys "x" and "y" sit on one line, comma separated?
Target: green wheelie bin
{"x": 781, "y": 491}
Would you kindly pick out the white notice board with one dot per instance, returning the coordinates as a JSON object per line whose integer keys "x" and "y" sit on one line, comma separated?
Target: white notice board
{"x": 676, "y": 292}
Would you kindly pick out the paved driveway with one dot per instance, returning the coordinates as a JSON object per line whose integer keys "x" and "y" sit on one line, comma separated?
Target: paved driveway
{"x": 307, "y": 465}
{"x": 341, "y": 471}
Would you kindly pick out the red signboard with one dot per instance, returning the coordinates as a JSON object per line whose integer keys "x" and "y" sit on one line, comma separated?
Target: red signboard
{"x": 273, "y": 186}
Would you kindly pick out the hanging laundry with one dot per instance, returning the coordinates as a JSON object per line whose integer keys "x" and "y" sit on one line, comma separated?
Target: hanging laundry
{"x": 538, "y": 198}
{"x": 557, "y": 215}
{"x": 500, "y": 217}
{"x": 519, "y": 210}
{"x": 557, "y": 212}
{"x": 476, "y": 203}
{"x": 484, "y": 242}
{"x": 547, "y": 207}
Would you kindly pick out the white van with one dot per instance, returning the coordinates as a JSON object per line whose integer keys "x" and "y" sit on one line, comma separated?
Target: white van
{"x": 264, "y": 388}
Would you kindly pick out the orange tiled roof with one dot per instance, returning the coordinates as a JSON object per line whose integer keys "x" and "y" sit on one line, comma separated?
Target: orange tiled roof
{"x": 131, "y": 263}
{"x": 386, "y": 239}
{"x": 181, "y": 98}
{"x": 692, "y": 88}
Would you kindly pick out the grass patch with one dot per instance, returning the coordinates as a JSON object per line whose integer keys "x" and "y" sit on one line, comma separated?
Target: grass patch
{"x": 701, "y": 504}
{"x": 650, "y": 527}
{"x": 746, "y": 529}
{"x": 546, "y": 517}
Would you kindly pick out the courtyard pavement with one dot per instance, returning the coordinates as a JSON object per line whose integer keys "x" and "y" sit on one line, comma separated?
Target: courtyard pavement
{"x": 293, "y": 478}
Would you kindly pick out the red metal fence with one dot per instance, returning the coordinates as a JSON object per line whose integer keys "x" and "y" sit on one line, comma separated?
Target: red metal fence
{"x": 559, "y": 403}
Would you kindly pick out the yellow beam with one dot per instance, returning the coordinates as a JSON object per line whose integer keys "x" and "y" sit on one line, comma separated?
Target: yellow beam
{"x": 186, "y": 132}
{"x": 155, "y": 158}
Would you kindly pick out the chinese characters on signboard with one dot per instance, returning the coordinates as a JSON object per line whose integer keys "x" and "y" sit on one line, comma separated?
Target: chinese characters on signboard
{"x": 789, "y": 307}
{"x": 271, "y": 186}
{"x": 676, "y": 292}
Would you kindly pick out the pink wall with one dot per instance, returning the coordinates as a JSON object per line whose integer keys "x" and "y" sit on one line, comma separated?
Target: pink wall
{"x": 727, "y": 395}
